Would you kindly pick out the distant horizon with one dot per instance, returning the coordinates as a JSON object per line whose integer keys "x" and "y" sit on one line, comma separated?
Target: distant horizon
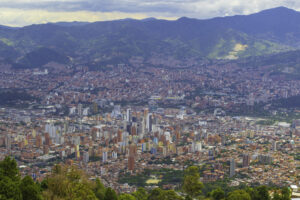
{"x": 137, "y": 18}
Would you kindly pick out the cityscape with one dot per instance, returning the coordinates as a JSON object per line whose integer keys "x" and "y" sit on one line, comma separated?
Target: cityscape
{"x": 143, "y": 121}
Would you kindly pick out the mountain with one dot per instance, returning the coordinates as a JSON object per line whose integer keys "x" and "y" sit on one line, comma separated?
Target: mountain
{"x": 277, "y": 25}
{"x": 267, "y": 32}
{"x": 40, "y": 57}
{"x": 75, "y": 23}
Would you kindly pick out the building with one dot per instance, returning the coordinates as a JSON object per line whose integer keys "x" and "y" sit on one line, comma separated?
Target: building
{"x": 128, "y": 115}
{"x": 232, "y": 168}
{"x": 265, "y": 159}
{"x": 80, "y": 110}
{"x": 274, "y": 145}
{"x": 223, "y": 139}
{"x": 86, "y": 157}
{"x": 48, "y": 141}
{"x": 149, "y": 122}
{"x": 246, "y": 160}
{"x": 38, "y": 141}
{"x": 8, "y": 143}
{"x": 104, "y": 156}
{"x": 131, "y": 158}
{"x": 131, "y": 163}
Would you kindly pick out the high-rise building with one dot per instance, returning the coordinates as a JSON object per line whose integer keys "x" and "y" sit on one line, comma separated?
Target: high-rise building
{"x": 223, "y": 139}
{"x": 128, "y": 115}
{"x": 45, "y": 149}
{"x": 120, "y": 138}
{"x": 104, "y": 156}
{"x": 232, "y": 168}
{"x": 274, "y": 145}
{"x": 131, "y": 162}
{"x": 149, "y": 122}
{"x": 38, "y": 141}
{"x": 48, "y": 141}
{"x": 265, "y": 159}
{"x": 86, "y": 157}
{"x": 131, "y": 158}
{"x": 114, "y": 155}
{"x": 246, "y": 160}
{"x": 8, "y": 143}
{"x": 80, "y": 109}
{"x": 95, "y": 108}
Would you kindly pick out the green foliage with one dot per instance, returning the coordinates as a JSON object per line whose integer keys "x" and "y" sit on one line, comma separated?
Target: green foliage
{"x": 9, "y": 180}
{"x": 260, "y": 192}
{"x": 69, "y": 183}
{"x": 171, "y": 195}
{"x": 8, "y": 168}
{"x": 126, "y": 197}
{"x": 285, "y": 194}
{"x": 218, "y": 194}
{"x": 80, "y": 191}
{"x": 276, "y": 196}
{"x": 30, "y": 190}
{"x": 110, "y": 194}
{"x": 169, "y": 176}
{"x": 99, "y": 189}
{"x": 239, "y": 195}
{"x": 159, "y": 194}
{"x": 155, "y": 194}
{"x": 44, "y": 184}
{"x": 263, "y": 192}
{"x": 191, "y": 183}
{"x": 140, "y": 194}
{"x": 9, "y": 189}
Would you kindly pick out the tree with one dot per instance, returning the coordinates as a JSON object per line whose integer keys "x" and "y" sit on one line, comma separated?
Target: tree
{"x": 276, "y": 196}
{"x": 29, "y": 189}
{"x": 80, "y": 191}
{"x": 9, "y": 189}
{"x": 159, "y": 194}
{"x": 140, "y": 194}
{"x": 9, "y": 179}
{"x": 44, "y": 184}
{"x": 110, "y": 194}
{"x": 285, "y": 193}
{"x": 263, "y": 192}
{"x": 69, "y": 183}
{"x": 191, "y": 183}
{"x": 9, "y": 168}
{"x": 171, "y": 195}
{"x": 218, "y": 194}
{"x": 188, "y": 198}
{"x": 126, "y": 197}
{"x": 155, "y": 194}
{"x": 239, "y": 195}
{"x": 99, "y": 190}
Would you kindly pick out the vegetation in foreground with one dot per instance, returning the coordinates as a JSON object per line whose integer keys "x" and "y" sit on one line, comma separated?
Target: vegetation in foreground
{"x": 69, "y": 183}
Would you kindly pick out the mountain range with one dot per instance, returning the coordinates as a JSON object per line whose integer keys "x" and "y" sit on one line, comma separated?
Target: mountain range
{"x": 267, "y": 32}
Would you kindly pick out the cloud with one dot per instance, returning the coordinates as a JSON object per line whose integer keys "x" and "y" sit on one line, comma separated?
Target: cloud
{"x": 19, "y": 17}
{"x": 90, "y": 10}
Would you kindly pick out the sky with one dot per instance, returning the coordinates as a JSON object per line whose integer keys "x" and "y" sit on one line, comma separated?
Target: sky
{"x": 26, "y": 12}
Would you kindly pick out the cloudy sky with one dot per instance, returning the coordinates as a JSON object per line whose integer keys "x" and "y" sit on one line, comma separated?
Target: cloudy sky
{"x": 25, "y": 12}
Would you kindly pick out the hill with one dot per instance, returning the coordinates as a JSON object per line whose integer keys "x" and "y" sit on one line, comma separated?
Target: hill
{"x": 40, "y": 57}
{"x": 267, "y": 32}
